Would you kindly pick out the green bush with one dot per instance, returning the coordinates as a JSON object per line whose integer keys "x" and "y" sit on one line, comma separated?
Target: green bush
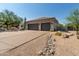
{"x": 77, "y": 36}
{"x": 58, "y": 33}
{"x": 52, "y": 31}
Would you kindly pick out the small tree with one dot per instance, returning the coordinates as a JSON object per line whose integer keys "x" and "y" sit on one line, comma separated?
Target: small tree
{"x": 60, "y": 27}
{"x": 74, "y": 19}
{"x": 70, "y": 26}
{"x": 9, "y": 19}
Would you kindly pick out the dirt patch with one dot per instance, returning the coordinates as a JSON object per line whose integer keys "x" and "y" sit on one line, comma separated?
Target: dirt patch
{"x": 66, "y": 46}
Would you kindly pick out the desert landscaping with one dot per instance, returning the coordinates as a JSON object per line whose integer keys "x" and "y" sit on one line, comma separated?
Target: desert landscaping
{"x": 67, "y": 46}
{"x": 47, "y": 33}
{"x": 35, "y": 43}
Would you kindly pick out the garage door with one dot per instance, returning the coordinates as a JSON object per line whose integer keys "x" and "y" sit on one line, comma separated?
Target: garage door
{"x": 33, "y": 27}
{"x": 45, "y": 26}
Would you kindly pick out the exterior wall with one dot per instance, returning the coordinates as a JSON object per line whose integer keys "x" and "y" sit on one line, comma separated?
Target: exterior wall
{"x": 26, "y": 26}
{"x": 52, "y": 27}
{"x": 40, "y": 26}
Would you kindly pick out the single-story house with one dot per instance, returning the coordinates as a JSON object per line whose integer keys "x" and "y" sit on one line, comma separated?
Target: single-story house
{"x": 42, "y": 24}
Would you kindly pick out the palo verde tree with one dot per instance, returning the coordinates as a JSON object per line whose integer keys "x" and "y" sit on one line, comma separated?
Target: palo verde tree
{"x": 74, "y": 19}
{"x": 70, "y": 26}
{"x": 9, "y": 19}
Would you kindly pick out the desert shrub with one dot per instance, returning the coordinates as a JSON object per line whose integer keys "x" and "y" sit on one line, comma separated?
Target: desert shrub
{"x": 77, "y": 33}
{"x": 51, "y": 30}
{"x": 14, "y": 29}
{"x": 58, "y": 33}
{"x": 77, "y": 36}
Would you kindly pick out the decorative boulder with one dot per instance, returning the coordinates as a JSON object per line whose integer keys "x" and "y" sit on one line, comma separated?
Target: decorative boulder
{"x": 71, "y": 34}
{"x": 14, "y": 29}
{"x": 40, "y": 53}
{"x": 54, "y": 40}
{"x": 66, "y": 36}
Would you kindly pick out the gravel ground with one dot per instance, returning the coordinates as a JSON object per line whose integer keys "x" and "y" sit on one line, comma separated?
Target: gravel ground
{"x": 66, "y": 46}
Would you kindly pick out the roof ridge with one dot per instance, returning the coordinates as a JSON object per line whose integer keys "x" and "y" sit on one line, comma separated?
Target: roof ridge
{"x": 40, "y": 18}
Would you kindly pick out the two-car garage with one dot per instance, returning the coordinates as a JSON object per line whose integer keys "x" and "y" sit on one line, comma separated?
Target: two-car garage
{"x": 44, "y": 26}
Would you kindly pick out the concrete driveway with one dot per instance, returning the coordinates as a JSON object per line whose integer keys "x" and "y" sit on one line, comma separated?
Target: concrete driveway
{"x": 11, "y": 40}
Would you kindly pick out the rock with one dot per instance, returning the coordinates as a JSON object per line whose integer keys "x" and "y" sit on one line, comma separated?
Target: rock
{"x": 54, "y": 40}
{"x": 40, "y": 53}
{"x": 66, "y": 36}
{"x": 49, "y": 50}
{"x": 53, "y": 52}
{"x": 50, "y": 44}
{"x": 71, "y": 34}
{"x": 14, "y": 29}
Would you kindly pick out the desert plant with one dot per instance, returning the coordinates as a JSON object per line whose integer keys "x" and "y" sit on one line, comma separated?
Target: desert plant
{"x": 74, "y": 19}
{"x": 77, "y": 36}
{"x": 9, "y": 19}
{"x": 58, "y": 33}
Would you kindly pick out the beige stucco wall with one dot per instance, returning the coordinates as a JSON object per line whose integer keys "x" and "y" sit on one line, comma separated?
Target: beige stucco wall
{"x": 52, "y": 26}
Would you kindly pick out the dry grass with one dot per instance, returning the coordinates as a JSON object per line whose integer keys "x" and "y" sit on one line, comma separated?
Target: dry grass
{"x": 58, "y": 33}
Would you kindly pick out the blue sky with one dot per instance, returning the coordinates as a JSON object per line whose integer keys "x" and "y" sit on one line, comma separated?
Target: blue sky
{"x": 33, "y": 11}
